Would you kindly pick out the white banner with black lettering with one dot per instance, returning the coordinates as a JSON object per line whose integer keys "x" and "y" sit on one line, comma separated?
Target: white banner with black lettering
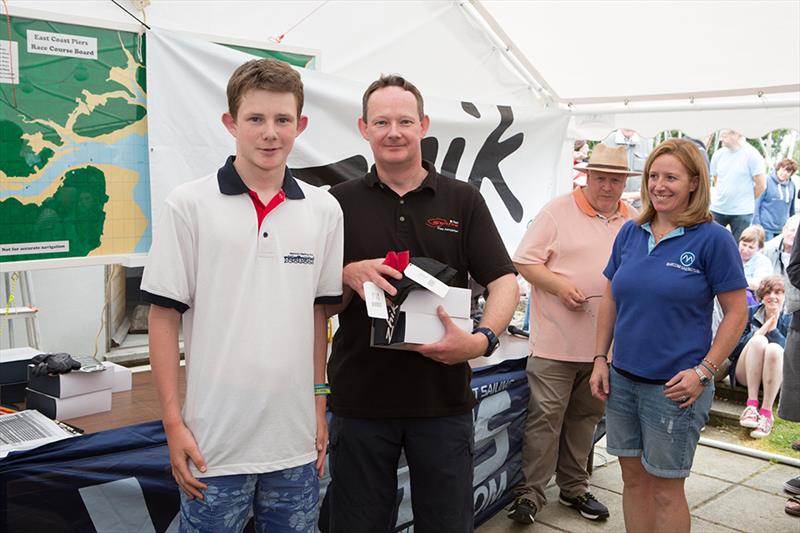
{"x": 511, "y": 154}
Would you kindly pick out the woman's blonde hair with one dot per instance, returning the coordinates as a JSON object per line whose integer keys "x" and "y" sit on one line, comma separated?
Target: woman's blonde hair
{"x": 754, "y": 234}
{"x": 693, "y": 161}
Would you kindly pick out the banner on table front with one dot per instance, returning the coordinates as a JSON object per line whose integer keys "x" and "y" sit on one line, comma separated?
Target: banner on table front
{"x": 510, "y": 153}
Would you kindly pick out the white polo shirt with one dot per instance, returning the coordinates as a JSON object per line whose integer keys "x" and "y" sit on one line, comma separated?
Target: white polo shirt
{"x": 248, "y": 294}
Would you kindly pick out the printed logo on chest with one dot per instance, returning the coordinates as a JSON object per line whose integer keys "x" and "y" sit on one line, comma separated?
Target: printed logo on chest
{"x": 443, "y": 224}
{"x": 296, "y": 258}
{"x": 685, "y": 262}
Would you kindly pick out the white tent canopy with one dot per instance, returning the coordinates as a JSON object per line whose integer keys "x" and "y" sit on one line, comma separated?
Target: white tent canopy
{"x": 695, "y": 66}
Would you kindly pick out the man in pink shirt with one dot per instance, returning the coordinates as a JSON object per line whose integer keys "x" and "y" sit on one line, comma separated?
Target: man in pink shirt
{"x": 563, "y": 255}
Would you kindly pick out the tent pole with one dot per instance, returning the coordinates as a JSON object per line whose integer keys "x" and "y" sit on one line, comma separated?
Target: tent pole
{"x": 503, "y": 43}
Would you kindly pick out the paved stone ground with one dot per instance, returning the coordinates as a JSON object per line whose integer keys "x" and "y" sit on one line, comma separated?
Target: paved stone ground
{"x": 726, "y": 492}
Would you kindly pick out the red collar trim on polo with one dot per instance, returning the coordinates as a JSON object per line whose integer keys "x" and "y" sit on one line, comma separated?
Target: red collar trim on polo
{"x": 586, "y": 207}
{"x": 263, "y": 210}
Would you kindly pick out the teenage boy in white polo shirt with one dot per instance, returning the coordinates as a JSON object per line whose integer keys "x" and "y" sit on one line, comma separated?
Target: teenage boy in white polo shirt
{"x": 248, "y": 256}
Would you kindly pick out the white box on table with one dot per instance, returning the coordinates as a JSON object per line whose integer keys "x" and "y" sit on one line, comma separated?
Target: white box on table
{"x": 71, "y": 407}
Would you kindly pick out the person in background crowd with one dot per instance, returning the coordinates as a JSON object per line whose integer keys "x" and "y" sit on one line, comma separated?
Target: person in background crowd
{"x": 580, "y": 152}
{"x": 757, "y": 360}
{"x": 375, "y": 418}
{"x": 702, "y": 146}
{"x": 789, "y": 403}
{"x": 580, "y": 155}
{"x": 756, "y": 265}
{"x": 562, "y": 255}
{"x": 664, "y": 272}
{"x": 777, "y": 203}
{"x": 637, "y": 148}
{"x": 737, "y": 172}
{"x": 779, "y": 249}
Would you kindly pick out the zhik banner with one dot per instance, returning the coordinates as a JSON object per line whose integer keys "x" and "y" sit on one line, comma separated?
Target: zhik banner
{"x": 510, "y": 153}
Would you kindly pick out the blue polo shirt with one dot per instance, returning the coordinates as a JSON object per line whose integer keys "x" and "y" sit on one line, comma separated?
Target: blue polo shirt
{"x": 664, "y": 295}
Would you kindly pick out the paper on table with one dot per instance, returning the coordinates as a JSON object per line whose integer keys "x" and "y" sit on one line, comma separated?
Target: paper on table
{"x": 28, "y": 429}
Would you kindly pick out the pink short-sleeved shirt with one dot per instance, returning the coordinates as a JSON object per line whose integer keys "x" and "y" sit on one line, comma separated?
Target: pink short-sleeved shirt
{"x": 571, "y": 239}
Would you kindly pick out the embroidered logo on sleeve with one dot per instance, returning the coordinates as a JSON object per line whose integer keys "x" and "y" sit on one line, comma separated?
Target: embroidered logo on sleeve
{"x": 443, "y": 224}
{"x": 299, "y": 258}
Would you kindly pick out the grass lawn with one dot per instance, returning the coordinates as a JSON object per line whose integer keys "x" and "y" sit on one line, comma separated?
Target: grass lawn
{"x": 779, "y": 440}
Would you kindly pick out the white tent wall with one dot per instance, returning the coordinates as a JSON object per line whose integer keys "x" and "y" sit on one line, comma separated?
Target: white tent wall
{"x": 70, "y": 302}
{"x": 616, "y": 49}
{"x": 656, "y": 56}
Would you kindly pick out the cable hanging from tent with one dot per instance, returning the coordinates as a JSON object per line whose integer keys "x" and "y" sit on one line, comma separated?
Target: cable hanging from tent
{"x": 11, "y": 289}
{"x": 279, "y": 38}
{"x": 137, "y": 19}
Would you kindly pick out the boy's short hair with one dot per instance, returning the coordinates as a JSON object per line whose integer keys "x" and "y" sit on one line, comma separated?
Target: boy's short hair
{"x": 770, "y": 283}
{"x": 265, "y": 74}
{"x": 754, "y": 233}
{"x": 789, "y": 164}
{"x": 392, "y": 80}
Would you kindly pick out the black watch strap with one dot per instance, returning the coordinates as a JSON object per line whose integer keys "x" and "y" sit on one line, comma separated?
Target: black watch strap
{"x": 494, "y": 342}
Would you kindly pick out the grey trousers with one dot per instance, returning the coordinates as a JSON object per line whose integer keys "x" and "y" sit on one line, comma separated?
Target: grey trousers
{"x": 559, "y": 430}
{"x": 789, "y": 404}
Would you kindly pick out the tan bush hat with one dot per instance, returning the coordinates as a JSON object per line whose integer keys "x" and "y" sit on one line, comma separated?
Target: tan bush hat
{"x": 607, "y": 159}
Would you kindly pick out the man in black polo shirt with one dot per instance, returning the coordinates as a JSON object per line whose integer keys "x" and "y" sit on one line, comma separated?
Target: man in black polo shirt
{"x": 385, "y": 401}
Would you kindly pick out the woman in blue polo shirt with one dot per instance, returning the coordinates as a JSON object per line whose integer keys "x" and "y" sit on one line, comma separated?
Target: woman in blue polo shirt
{"x": 664, "y": 272}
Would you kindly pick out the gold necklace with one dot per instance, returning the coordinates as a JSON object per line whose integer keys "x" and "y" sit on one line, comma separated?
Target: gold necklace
{"x": 659, "y": 235}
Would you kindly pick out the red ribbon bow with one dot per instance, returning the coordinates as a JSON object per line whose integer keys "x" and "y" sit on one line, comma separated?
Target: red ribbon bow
{"x": 397, "y": 260}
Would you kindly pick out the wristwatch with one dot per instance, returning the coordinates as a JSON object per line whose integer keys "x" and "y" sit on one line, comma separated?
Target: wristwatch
{"x": 704, "y": 380}
{"x": 494, "y": 342}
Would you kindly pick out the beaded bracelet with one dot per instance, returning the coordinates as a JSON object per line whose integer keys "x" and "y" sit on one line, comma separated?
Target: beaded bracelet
{"x": 321, "y": 389}
{"x": 710, "y": 370}
{"x": 716, "y": 368}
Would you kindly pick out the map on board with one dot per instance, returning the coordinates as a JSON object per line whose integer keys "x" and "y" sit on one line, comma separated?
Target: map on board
{"x": 74, "y": 176}
{"x": 74, "y": 165}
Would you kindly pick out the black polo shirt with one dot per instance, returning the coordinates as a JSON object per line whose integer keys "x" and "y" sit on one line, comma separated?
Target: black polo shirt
{"x": 445, "y": 219}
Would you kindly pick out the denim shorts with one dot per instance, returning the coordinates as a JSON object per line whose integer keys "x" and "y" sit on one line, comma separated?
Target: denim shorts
{"x": 283, "y": 501}
{"x": 642, "y": 422}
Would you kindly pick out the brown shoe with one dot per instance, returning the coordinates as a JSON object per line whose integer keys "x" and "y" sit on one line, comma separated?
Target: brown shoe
{"x": 792, "y": 506}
